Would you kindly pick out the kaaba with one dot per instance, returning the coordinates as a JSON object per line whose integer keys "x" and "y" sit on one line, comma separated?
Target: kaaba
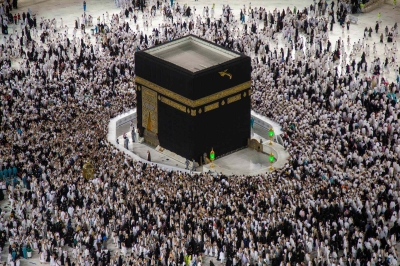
{"x": 193, "y": 96}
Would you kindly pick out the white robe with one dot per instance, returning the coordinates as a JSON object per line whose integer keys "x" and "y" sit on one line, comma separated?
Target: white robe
{"x": 43, "y": 256}
{"x": 222, "y": 256}
{"x": 206, "y": 251}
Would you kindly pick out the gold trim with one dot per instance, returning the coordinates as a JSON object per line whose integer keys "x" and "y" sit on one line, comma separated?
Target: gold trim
{"x": 149, "y": 110}
{"x": 234, "y": 98}
{"x": 193, "y": 113}
{"x": 223, "y": 102}
{"x": 211, "y": 107}
{"x": 225, "y": 73}
{"x": 200, "y": 111}
{"x": 173, "y": 104}
{"x": 194, "y": 103}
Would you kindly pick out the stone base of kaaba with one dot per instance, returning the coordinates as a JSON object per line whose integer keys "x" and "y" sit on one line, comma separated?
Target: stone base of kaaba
{"x": 175, "y": 157}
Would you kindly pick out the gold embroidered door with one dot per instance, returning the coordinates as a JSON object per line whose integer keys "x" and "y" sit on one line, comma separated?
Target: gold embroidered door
{"x": 149, "y": 110}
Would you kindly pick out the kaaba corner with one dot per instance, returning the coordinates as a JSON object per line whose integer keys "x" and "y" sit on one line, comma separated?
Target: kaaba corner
{"x": 193, "y": 96}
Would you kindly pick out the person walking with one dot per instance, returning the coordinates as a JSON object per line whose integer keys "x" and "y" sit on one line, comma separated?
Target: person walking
{"x": 133, "y": 134}
{"x": 242, "y": 16}
{"x": 394, "y": 4}
{"x": 84, "y": 6}
{"x": 126, "y": 143}
{"x": 193, "y": 165}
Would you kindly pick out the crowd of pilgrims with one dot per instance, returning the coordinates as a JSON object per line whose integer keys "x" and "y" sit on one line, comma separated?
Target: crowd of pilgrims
{"x": 335, "y": 203}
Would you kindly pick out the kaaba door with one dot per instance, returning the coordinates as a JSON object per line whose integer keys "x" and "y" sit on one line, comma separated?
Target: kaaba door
{"x": 149, "y": 110}
{"x": 150, "y": 116}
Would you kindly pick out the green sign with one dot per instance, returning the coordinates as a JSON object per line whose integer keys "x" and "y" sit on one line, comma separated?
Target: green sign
{"x": 212, "y": 155}
{"x": 271, "y": 133}
{"x": 271, "y": 158}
